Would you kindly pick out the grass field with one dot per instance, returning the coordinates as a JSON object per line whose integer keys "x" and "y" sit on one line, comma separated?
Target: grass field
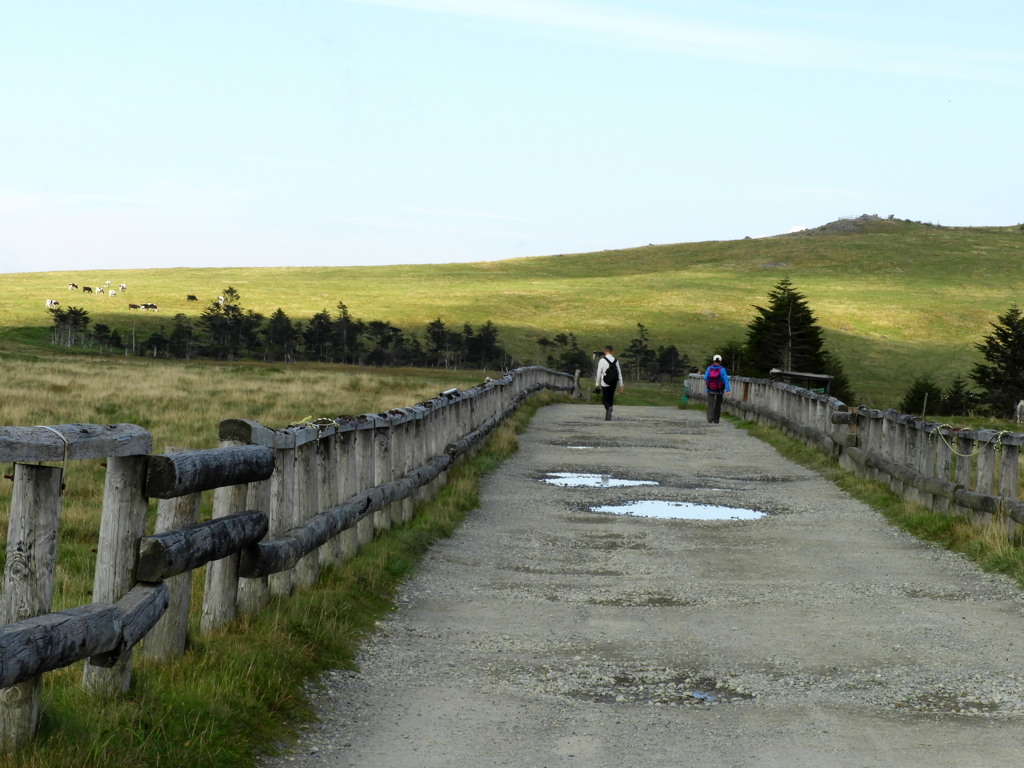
{"x": 896, "y": 299}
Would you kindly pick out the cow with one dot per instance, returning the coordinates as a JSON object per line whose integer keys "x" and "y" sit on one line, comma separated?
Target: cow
{"x": 107, "y": 283}
{"x": 72, "y": 287}
{"x": 113, "y": 293}
{"x": 150, "y": 307}
{"x": 99, "y": 289}
{"x": 52, "y": 303}
{"x": 1020, "y": 412}
{"x": 191, "y": 297}
{"x": 123, "y": 287}
{"x": 133, "y": 306}
{"x": 86, "y": 289}
{"x": 220, "y": 300}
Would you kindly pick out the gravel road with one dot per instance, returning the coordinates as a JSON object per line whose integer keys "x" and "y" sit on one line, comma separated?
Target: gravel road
{"x": 544, "y": 634}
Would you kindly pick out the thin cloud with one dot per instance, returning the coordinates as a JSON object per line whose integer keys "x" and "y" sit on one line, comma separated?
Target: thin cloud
{"x": 731, "y": 42}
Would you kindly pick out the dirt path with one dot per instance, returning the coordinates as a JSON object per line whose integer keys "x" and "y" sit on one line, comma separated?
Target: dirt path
{"x": 544, "y": 634}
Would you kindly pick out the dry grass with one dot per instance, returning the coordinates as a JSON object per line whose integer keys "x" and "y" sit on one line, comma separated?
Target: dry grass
{"x": 235, "y": 692}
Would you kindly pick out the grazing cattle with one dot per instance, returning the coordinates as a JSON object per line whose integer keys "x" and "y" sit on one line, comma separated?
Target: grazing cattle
{"x": 107, "y": 283}
{"x": 220, "y": 300}
{"x": 123, "y": 287}
{"x": 72, "y": 287}
{"x": 1020, "y": 412}
{"x": 52, "y": 303}
{"x": 191, "y": 297}
{"x": 99, "y": 289}
{"x": 133, "y": 306}
{"x": 113, "y": 293}
{"x": 150, "y": 307}
{"x": 87, "y": 289}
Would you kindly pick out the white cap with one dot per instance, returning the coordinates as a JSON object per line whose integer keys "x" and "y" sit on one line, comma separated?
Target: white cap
{"x": 716, "y": 359}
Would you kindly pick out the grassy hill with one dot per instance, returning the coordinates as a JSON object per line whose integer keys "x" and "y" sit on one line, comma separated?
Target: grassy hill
{"x": 896, "y": 298}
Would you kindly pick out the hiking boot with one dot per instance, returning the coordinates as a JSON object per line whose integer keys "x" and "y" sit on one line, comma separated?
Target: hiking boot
{"x": 607, "y": 414}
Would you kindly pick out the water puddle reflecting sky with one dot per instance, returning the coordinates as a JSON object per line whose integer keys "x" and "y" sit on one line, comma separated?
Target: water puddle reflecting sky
{"x": 678, "y": 510}
{"x": 582, "y": 480}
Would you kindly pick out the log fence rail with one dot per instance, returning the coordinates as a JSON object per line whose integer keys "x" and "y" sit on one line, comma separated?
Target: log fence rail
{"x": 286, "y": 502}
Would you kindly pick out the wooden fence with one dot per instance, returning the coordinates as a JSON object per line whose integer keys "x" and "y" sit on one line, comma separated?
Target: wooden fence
{"x": 285, "y": 502}
{"x": 957, "y": 471}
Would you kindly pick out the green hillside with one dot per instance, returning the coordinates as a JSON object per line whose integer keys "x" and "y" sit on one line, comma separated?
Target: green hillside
{"x": 896, "y": 298}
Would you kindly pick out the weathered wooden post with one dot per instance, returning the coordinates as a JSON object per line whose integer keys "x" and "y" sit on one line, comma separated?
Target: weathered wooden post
{"x": 986, "y": 469}
{"x": 405, "y": 458}
{"x": 965, "y": 454}
{"x": 365, "y": 449}
{"x": 329, "y": 491}
{"x": 220, "y": 595}
{"x": 382, "y": 466}
{"x": 167, "y": 638}
{"x": 28, "y": 584}
{"x": 942, "y": 465}
{"x": 421, "y": 445}
{"x": 122, "y": 525}
{"x": 282, "y": 507}
{"x": 926, "y": 457}
{"x": 1009, "y": 456}
{"x": 348, "y": 540}
{"x": 307, "y": 491}
{"x": 254, "y": 594}
{"x": 576, "y": 384}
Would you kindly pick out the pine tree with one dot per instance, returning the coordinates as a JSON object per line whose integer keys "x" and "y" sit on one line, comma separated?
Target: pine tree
{"x": 913, "y": 401}
{"x": 957, "y": 400}
{"x": 1000, "y": 376}
{"x": 786, "y": 335}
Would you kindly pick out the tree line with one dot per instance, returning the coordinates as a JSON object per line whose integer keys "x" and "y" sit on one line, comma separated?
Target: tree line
{"x": 225, "y": 330}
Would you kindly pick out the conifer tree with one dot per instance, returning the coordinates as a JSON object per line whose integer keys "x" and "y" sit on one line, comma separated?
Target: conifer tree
{"x": 1000, "y": 376}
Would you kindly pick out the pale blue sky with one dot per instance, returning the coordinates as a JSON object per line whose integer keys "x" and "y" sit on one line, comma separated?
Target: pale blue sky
{"x": 401, "y": 131}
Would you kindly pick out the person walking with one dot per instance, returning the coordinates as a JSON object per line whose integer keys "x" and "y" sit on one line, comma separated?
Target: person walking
{"x": 716, "y": 381}
{"x": 609, "y": 374}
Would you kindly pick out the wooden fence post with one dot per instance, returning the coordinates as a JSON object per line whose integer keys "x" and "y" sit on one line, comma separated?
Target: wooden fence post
{"x": 329, "y": 496}
{"x": 365, "y": 448}
{"x": 307, "y": 490}
{"x": 28, "y": 584}
{"x": 382, "y": 467}
{"x": 986, "y": 469}
{"x": 220, "y": 596}
{"x": 167, "y": 639}
{"x": 942, "y": 465}
{"x": 1009, "y": 456}
{"x": 122, "y": 525}
{"x": 965, "y": 450}
{"x": 348, "y": 540}
{"x": 405, "y": 461}
{"x": 282, "y": 511}
{"x": 254, "y": 594}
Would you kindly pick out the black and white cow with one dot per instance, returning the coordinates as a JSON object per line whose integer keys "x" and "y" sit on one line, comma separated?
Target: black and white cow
{"x": 99, "y": 289}
{"x": 72, "y": 286}
{"x": 52, "y": 303}
{"x": 150, "y": 307}
{"x": 123, "y": 287}
{"x": 113, "y": 293}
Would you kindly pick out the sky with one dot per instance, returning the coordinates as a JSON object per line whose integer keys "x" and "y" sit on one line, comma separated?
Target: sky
{"x": 359, "y": 132}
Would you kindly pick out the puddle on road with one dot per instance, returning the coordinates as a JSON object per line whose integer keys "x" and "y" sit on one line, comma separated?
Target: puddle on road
{"x": 678, "y": 510}
{"x": 582, "y": 480}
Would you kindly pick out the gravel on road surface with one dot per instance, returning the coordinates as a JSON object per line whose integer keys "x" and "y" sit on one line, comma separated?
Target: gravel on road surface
{"x": 545, "y": 634}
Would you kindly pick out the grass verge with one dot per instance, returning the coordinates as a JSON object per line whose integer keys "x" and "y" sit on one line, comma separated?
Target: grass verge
{"x": 986, "y": 544}
{"x": 237, "y": 692}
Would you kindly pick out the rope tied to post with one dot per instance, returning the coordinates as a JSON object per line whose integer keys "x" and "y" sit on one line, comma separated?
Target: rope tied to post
{"x": 997, "y": 440}
{"x": 64, "y": 461}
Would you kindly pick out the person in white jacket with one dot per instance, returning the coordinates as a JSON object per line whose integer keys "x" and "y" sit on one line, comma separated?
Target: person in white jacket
{"x": 609, "y": 374}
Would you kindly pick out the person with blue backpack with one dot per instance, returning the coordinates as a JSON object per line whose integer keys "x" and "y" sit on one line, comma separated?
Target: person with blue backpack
{"x": 609, "y": 374}
{"x": 716, "y": 381}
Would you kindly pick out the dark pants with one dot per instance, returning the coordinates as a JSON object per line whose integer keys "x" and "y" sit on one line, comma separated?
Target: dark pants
{"x": 715, "y": 406}
{"x": 608, "y": 397}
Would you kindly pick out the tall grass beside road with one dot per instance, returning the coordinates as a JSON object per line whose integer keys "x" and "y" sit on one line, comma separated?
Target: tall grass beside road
{"x": 235, "y": 692}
